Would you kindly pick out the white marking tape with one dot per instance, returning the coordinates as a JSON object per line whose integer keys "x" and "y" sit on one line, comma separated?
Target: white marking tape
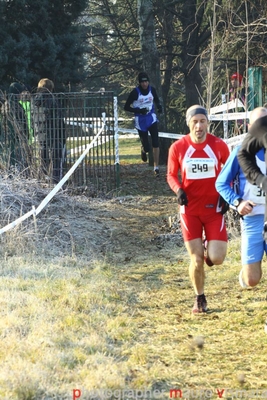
{"x": 230, "y": 116}
{"x": 231, "y": 141}
{"x": 55, "y": 190}
{"x": 161, "y": 134}
{"x": 17, "y": 221}
{"x": 227, "y": 106}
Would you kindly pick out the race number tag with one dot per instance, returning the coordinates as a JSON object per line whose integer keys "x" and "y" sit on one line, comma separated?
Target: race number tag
{"x": 200, "y": 168}
{"x": 257, "y": 195}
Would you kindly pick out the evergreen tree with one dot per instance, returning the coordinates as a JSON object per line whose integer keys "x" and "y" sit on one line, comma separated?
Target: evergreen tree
{"x": 39, "y": 38}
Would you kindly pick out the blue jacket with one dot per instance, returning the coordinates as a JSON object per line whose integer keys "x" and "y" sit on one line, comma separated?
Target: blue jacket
{"x": 232, "y": 184}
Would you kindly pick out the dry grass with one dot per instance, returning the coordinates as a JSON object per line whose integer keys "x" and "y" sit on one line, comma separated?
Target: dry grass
{"x": 96, "y": 295}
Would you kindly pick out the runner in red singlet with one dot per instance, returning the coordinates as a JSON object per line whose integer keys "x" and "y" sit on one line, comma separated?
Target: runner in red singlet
{"x": 194, "y": 162}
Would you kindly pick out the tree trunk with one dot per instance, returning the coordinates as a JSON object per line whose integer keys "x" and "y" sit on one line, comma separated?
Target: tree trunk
{"x": 151, "y": 64}
{"x": 191, "y": 19}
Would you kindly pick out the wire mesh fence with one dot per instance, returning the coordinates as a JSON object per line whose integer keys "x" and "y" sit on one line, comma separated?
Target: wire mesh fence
{"x": 43, "y": 134}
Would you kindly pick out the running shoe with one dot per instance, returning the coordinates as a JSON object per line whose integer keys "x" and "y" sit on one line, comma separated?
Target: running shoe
{"x": 240, "y": 278}
{"x": 156, "y": 172}
{"x": 200, "y": 305}
{"x": 143, "y": 155}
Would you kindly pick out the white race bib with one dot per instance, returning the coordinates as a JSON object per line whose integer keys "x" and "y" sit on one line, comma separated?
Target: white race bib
{"x": 200, "y": 168}
{"x": 257, "y": 195}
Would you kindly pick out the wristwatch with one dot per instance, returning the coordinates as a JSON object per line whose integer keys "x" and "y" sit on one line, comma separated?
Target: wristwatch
{"x": 237, "y": 202}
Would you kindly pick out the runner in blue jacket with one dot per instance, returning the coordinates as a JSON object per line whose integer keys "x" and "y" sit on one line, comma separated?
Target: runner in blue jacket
{"x": 249, "y": 201}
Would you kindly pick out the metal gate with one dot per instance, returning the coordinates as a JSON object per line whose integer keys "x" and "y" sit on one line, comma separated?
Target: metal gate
{"x": 42, "y": 136}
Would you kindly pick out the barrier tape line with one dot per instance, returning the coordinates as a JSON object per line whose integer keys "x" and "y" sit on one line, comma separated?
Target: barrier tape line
{"x": 55, "y": 190}
{"x": 17, "y": 221}
{"x": 46, "y": 200}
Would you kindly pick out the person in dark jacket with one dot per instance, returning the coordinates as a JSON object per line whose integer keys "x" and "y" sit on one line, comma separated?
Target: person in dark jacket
{"x": 49, "y": 129}
{"x": 14, "y": 124}
{"x": 249, "y": 202}
{"x": 141, "y": 102}
{"x": 255, "y": 139}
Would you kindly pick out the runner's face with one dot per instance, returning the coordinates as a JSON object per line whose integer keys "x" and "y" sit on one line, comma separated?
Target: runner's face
{"x": 198, "y": 126}
{"x": 144, "y": 84}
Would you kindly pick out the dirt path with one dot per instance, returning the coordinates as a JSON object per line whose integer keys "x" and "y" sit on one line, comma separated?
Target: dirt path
{"x": 138, "y": 225}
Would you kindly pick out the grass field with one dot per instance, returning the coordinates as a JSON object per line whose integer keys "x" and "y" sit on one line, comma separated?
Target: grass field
{"x": 96, "y": 302}
{"x": 130, "y": 151}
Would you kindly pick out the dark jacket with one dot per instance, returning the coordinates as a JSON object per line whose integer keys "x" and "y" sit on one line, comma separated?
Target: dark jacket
{"x": 255, "y": 140}
{"x": 48, "y": 122}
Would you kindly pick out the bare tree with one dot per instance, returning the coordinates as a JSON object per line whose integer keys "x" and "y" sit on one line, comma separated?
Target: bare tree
{"x": 171, "y": 39}
{"x": 151, "y": 61}
{"x": 192, "y": 40}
